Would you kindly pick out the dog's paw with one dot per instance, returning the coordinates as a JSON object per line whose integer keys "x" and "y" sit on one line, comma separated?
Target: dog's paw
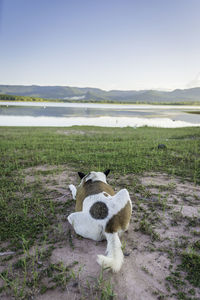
{"x": 69, "y": 218}
{"x": 72, "y": 188}
{"x": 100, "y": 259}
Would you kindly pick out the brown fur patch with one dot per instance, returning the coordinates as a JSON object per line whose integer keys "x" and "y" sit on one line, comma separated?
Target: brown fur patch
{"x": 119, "y": 221}
{"x": 106, "y": 195}
{"x": 91, "y": 188}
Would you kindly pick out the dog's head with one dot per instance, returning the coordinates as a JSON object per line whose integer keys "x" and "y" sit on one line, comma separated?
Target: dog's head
{"x": 94, "y": 176}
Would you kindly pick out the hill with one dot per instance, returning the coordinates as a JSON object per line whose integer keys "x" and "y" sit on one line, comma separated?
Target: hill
{"x": 93, "y": 94}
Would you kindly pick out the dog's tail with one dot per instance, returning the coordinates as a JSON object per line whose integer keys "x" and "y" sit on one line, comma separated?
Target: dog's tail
{"x": 115, "y": 257}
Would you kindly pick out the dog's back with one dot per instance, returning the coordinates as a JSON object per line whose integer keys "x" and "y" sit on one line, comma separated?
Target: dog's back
{"x": 88, "y": 188}
{"x": 118, "y": 222}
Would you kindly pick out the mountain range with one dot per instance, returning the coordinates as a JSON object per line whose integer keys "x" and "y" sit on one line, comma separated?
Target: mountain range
{"x": 191, "y": 95}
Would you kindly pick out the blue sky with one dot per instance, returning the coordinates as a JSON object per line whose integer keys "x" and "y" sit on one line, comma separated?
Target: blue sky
{"x": 108, "y": 44}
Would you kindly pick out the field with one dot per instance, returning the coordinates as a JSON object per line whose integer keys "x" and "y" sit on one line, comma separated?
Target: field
{"x": 41, "y": 257}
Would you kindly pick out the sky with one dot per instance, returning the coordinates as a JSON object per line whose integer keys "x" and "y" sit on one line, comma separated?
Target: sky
{"x": 107, "y": 44}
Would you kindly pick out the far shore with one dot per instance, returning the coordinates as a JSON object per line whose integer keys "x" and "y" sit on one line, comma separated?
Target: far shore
{"x": 104, "y": 102}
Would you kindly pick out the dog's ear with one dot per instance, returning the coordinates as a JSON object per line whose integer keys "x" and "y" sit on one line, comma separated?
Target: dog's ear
{"x": 107, "y": 172}
{"x": 81, "y": 175}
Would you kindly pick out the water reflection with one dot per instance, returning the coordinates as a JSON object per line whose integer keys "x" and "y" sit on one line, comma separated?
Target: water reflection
{"x": 68, "y": 114}
{"x": 100, "y": 121}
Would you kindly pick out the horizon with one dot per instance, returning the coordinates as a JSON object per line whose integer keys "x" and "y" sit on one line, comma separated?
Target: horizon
{"x": 89, "y": 87}
{"x": 115, "y": 45}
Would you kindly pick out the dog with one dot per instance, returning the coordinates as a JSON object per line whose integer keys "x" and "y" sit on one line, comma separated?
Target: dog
{"x": 100, "y": 213}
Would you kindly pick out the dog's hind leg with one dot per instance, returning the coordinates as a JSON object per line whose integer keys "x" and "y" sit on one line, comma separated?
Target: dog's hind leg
{"x": 73, "y": 191}
{"x": 85, "y": 226}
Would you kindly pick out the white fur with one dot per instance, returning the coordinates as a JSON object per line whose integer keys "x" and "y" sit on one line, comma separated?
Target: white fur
{"x": 95, "y": 176}
{"x": 86, "y": 226}
{"x": 73, "y": 191}
{"x": 115, "y": 257}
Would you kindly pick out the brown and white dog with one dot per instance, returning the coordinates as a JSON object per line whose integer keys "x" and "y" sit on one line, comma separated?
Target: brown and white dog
{"x": 101, "y": 214}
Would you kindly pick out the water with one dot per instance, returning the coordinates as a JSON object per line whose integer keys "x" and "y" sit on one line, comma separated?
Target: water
{"x": 109, "y": 115}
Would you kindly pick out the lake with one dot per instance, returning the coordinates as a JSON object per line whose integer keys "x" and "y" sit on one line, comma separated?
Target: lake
{"x": 110, "y": 115}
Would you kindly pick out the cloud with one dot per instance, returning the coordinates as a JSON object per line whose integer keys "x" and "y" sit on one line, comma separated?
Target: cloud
{"x": 195, "y": 82}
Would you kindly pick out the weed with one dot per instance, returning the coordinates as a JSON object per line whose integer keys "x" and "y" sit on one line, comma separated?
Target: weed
{"x": 145, "y": 269}
{"x": 123, "y": 245}
{"x": 146, "y": 228}
{"x": 105, "y": 288}
{"x": 175, "y": 280}
{"x": 70, "y": 239}
{"x": 191, "y": 265}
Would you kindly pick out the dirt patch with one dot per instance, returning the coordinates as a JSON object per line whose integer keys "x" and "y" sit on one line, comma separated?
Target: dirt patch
{"x": 52, "y": 178}
{"x": 171, "y": 183}
{"x": 77, "y": 132}
{"x": 69, "y": 132}
{"x": 133, "y": 281}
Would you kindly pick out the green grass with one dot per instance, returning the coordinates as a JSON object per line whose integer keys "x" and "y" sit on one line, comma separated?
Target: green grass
{"x": 28, "y": 214}
{"x": 187, "y": 271}
{"x": 191, "y": 264}
{"x": 122, "y": 150}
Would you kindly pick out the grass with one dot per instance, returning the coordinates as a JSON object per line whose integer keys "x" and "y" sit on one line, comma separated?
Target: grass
{"x": 187, "y": 271}
{"x": 125, "y": 150}
{"x": 190, "y": 262}
{"x": 193, "y": 112}
{"x": 146, "y": 228}
{"x": 29, "y": 216}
